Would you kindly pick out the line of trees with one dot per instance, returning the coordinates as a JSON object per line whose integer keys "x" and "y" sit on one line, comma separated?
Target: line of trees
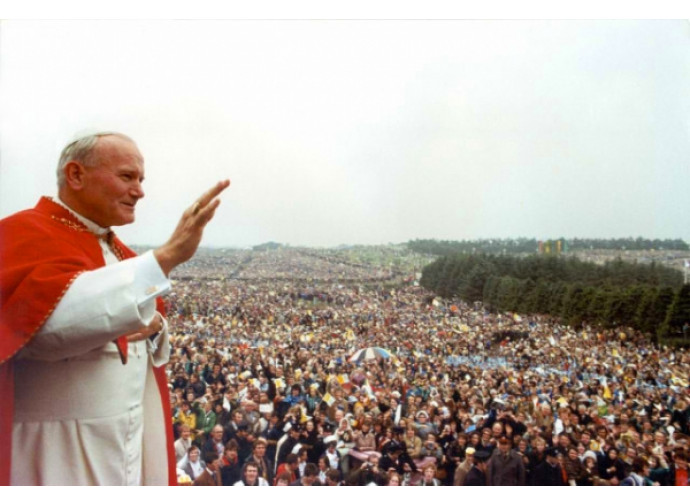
{"x": 650, "y": 298}
{"x": 498, "y": 246}
{"x": 530, "y": 245}
{"x": 626, "y": 244}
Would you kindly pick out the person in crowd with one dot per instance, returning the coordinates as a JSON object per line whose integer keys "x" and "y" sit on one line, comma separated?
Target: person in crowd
{"x": 505, "y": 468}
{"x": 429, "y": 477}
{"x": 259, "y": 457}
{"x": 250, "y": 476}
{"x": 639, "y": 474}
{"x": 550, "y": 472}
{"x": 464, "y": 467}
{"x": 210, "y": 476}
{"x": 477, "y": 476}
{"x": 231, "y": 469}
{"x": 283, "y": 480}
{"x": 183, "y": 443}
{"x": 590, "y": 389}
{"x": 214, "y": 442}
{"x": 290, "y": 467}
{"x": 310, "y": 476}
{"x": 193, "y": 465}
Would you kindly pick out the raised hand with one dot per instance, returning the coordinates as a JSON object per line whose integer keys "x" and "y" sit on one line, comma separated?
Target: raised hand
{"x": 187, "y": 235}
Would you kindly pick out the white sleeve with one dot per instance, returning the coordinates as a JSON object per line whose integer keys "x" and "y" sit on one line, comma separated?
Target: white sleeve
{"x": 99, "y": 306}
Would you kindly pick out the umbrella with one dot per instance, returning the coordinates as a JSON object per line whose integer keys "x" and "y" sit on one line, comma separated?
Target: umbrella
{"x": 370, "y": 353}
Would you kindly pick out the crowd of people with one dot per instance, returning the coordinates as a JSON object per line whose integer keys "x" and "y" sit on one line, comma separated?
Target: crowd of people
{"x": 265, "y": 391}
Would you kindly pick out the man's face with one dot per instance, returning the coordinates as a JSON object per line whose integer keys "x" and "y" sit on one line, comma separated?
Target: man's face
{"x": 185, "y": 433}
{"x": 260, "y": 450}
{"x": 217, "y": 433}
{"x": 251, "y": 474}
{"x": 111, "y": 189}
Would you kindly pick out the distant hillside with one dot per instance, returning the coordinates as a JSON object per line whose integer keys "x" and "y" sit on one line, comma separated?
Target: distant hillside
{"x": 532, "y": 245}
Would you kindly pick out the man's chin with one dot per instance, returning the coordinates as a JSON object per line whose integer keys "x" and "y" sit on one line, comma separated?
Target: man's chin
{"x": 123, "y": 221}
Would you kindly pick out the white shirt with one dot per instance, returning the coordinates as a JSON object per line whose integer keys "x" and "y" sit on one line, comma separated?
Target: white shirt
{"x": 80, "y": 414}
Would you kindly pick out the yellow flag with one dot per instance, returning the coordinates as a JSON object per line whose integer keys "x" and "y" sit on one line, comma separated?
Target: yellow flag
{"x": 328, "y": 399}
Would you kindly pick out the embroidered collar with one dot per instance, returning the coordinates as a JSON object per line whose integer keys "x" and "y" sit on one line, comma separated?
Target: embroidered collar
{"x": 89, "y": 224}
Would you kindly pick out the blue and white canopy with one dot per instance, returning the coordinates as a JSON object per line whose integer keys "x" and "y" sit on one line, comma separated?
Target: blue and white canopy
{"x": 370, "y": 353}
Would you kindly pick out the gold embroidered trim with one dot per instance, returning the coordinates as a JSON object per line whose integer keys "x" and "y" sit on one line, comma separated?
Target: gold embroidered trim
{"x": 48, "y": 314}
{"x": 70, "y": 224}
{"x": 77, "y": 225}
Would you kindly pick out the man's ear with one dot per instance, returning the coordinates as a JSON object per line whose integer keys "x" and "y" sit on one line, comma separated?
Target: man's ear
{"x": 74, "y": 175}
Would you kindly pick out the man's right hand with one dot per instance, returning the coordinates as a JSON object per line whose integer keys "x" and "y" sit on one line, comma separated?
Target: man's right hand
{"x": 186, "y": 238}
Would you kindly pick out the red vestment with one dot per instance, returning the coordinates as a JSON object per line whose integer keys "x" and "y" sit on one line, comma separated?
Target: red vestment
{"x": 42, "y": 251}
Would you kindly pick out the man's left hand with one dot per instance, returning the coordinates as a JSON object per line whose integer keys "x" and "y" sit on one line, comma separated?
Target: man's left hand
{"x": 153, "y": 328}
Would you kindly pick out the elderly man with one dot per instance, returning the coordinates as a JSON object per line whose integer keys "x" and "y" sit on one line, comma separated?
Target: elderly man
{"x": 215, "y": 441}
{"x": 464, "y": 467}
{"x": 82, "y": 336}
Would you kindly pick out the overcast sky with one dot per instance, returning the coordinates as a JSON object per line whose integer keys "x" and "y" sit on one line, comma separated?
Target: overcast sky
{"x": 365, "y": 132}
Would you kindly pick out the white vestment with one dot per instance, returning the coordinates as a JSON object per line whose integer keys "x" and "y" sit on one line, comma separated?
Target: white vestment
{"x": 81, "y": 416}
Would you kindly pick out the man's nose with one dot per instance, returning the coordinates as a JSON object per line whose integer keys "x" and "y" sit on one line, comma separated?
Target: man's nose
{"x": 138, "y": 190}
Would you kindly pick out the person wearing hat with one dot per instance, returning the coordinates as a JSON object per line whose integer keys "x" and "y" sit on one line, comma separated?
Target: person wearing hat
{"x": 391, "y": 457}
{"x": 422, "y": 425}
{"x": 406, "y": 458}
{"x": 505, "y": 468}
{"x": 286, "y": 443}
{"x": 549, "y": 472}
{"x": 477, "y": 474}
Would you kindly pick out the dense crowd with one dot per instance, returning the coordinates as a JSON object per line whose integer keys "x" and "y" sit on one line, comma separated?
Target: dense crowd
{"x": 264, "y": 390}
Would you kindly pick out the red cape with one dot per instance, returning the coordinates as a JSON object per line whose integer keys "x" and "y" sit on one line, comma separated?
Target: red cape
{"x": 42, "y": 251}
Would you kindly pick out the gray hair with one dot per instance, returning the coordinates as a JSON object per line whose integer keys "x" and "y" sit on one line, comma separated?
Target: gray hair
{"x": 81, "y": 150}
